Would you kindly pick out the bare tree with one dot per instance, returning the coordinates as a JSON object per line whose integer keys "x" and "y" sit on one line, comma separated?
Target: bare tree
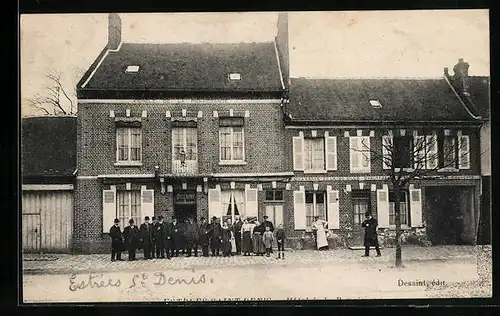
{"x": 57, "y": 100}
{"x": 406, "y": 158}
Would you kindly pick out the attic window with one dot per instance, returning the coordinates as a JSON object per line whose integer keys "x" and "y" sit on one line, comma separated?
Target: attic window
{"x": 375, "y": 104}
{"x": 132, "y": 69}
{"x": 234, "y": 76}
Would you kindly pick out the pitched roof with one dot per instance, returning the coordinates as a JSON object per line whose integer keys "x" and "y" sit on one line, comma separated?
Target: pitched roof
{"x": 479, "y": 89}
{"x": 189, "y": 67}
{"x": 349, "y": 100}
{"x": 48, "y": 146}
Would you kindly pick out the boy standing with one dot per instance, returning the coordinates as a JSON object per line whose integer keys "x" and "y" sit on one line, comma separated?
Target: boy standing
{"x": 280, "y": 238}
{"x": 268, "y": 239}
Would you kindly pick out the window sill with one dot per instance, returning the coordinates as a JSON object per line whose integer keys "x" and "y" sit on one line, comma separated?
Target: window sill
{"x": 448, "y": 170}
{"x": 314, "y": 171}
{"x": 232, "y": 163}
{"x": 393, "y": 227}
{"x": 361, "y": 171}
{"x": 404, "y": 169}
{"x": 127, "y": 164}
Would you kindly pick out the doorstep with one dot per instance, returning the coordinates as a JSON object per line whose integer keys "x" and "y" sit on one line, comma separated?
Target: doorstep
{"x": 363, "y": 247}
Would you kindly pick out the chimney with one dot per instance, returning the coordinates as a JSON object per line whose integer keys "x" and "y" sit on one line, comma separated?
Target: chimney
{"x": 461, "y": 75}
{"x": 282, "y": 45}
{"x": 114, "y": 31}
{"x": 446, "y": 73}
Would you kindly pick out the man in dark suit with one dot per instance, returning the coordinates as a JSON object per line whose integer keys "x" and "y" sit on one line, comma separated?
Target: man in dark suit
{"x": 159, "y": 238}
{"x": 153, "y": 239}
{"x": 215, "y": 235}
{"x": 116, "y": 241}
{"x": 146, "y": 237}
{"x": 177, "y": 237}
{"x": 237, "y": 233}
{"x": 132, "y": 239}
{"x": 167, "y": 239}
{"x": 371, "y": 239}
{"x": 203, "y": 236}
{"x": 267, "y": 223}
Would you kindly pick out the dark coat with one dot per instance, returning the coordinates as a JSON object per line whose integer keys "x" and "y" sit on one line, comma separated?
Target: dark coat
{"x": 191, "y": 231}
{"x": 132, "y": 237}
{"x": 116, "y": 238}
{"x": 237, "y": 227}
{"x": 226, "y": 240}
{"x": 167, "y": 232}
{"x": 215, "y": 234}
{"x": 280, "y": 234}
{"x": 259, "y": 229}
{"x": 146, "y": 231}
{"x": 370, "y": 226}
{"x": 268, "y": 223}
{"x": 159, "y": 233}
{"x": 203, "y": 234}
{"x": 177, "y": 234}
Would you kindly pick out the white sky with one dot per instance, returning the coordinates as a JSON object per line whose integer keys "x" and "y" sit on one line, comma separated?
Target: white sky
{"x": 322, "y": 44}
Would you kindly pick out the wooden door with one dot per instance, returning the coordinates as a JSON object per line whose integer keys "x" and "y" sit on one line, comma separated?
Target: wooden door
{"x": 31, "y": 232}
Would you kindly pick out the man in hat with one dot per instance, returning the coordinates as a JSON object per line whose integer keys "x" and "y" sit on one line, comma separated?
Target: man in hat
{"x": 146, "y": 238}
{"x": 371, "y": 239}
{"x": 153, "y": 239}
{"x": 159, "y": 238}
{"x": 167, "y": 239}
{"x": 215, "y": 236}
{"x": 177, "y": 236}
{"x": 116, "y": 241}
{"x": 238, "y": 223}
{"x": 191, "y": 237}
{"x": 203, "y": 236}
{"x": 132, "y": 239}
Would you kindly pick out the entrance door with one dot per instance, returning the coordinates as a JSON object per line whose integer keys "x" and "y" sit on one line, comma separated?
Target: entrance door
{"x": 31, "y": 233}
{"x": 360, "y": 205}
{"x": 185, "y": 205}
{"x": 275, "y": 215}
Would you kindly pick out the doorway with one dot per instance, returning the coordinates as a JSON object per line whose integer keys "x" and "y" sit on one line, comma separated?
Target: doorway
{"x": 185, "y": 205}
{"x": 360, "y": 205}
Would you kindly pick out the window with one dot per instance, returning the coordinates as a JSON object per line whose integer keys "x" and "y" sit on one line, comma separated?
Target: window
{"x": 184, "y": 139}
{"x": 274, "y": 213}
{"x": 274, "y": 195}
{"x": 359, "y": 154}
{"x": 315, "y": 206}
{"x": 314, "y": 154}
{"x": 361, "y": 204}
{"x": 128, "y": 144}
{"x": 129, "y": 207}
{"x": 231, "y": 144}
{"x": 426, "y": 152}
{"x": 233, "y": 203}
{"x": 449, "y": 152}
{"x": 403, "y": 209}
{"x": 402, "y": 152}
{"x": 132, "y": 69}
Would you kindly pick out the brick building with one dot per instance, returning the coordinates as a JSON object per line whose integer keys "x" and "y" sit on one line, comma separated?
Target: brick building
{"x": 176, "y": 129}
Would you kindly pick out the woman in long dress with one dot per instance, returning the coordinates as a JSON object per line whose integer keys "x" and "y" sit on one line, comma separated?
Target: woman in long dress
{"x": 319, "y": 226}
{"x": 246, "y": 233}
{"x": 258, "y": 243}
{"x": 226, "y": 240}
{"x": 232, "y": 240}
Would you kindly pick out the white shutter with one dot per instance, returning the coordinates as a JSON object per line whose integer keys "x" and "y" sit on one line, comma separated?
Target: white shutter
{"x": 353, "y": 152}
{"x": 463, "y": 152}
{"x": 416, "y": 207}
{"x": 383, "y": 208}
{"x": 108, "y": 209}
{"x": 278, "y": 215}
{"x": 299, "y": 205}
{"x": 251, "y": 202}
{"x": 298, "y": 152}
{"x": 147, "y": 202}
{"x": 419, "y": 156}
{"x": 333, "y": 209}
{"x": 432, "y": 152}
{"x": 387, "y": 149}
{"x": 214, "y": 203}
{"x": 331, "y": 152}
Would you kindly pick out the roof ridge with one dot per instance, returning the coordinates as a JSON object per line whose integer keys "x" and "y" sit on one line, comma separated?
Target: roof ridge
{"x": 199, "y": 43}
{"x": 369, "y": 78}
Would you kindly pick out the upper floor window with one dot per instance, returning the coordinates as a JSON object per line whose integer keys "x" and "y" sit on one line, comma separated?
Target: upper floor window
{"x": 314, "y": 154}
{"x": 184, "y": 143}
{"x": 359, "y": 150}
{"x": 128, "y": 144}
{"x": 231, "y": 139}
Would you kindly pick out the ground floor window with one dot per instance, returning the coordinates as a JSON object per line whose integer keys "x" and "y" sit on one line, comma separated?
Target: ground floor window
{"x": 361, "y": 204}
{"x": 403, "y": 208}
{"x": 274, "y": 213}
{"x": 129, "y": 207}
{"x": 315, "y": 206}
{"x": 233, "y": 203}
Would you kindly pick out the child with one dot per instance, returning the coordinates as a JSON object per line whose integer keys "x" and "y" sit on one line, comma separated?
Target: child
{"x": 280, "y": 237}
{"x": 268, "y": 239}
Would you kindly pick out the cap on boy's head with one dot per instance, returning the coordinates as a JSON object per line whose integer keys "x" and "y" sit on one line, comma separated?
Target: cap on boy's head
{"x": 116, "y": 220}
{"x": 265, "y": 217}
{"x": 146, "y": 218}
{"x": 368, "y": 214}
{"x": 214, "y": 218}
{"x": 160, "y": 218}
{"x": 131, "y": 221}
{"x": 202, "y": 218}
{"x": 153, "y": 218}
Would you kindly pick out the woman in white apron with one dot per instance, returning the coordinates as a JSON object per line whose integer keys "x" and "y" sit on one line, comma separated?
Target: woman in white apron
{"x": 319, "y": 227}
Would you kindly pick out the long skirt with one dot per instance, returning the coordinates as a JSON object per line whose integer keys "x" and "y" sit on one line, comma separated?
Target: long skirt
{"x": 247, "y": 245}
{"x": 233, "y": 243}
{"x": 258, "y": 244}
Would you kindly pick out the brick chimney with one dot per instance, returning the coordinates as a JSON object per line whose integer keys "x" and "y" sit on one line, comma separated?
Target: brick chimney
{"x": 114, "y": 31}
{"x": 461, "y": 76}
{"x": 282, "y": 46}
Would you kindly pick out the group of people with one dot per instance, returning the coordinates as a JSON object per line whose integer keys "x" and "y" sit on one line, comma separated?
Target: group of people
{"x": 160, "y": 239}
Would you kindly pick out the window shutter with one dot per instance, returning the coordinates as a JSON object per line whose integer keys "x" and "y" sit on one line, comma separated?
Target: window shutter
{"x": 278, "y": 215}
{"x": 108, "y": 209}
{"x": 333, "y": 209}
{"x": 432, "y": 152}
{"x": 251, "y": 202}
{"x": 298, "y": 153}
{"x": 299, "y": 204}
{"x": 331, "y": 152}
{"x": 214, "y": 203}
{"x": 419, "y": 155}
{"x": 383, "y": 208}
{"x": 463, "y": 152}
{"x": 416, "y": 207}
{"x": 353, "y": 151}
{"x": 147, "y": 202}
{"x": 387, "y": 147}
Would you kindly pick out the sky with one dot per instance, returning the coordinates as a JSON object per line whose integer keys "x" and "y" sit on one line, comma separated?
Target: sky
{"x": 355, "y": 44}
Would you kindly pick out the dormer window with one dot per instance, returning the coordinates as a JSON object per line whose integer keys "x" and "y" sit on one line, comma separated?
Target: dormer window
{"x": 234, "y": 76}
{"x": 132, "y": 69}
{"x": 375, "y": 104}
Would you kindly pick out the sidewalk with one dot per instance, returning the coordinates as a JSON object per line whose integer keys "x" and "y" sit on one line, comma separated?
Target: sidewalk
{"x": 63, "y": 263}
